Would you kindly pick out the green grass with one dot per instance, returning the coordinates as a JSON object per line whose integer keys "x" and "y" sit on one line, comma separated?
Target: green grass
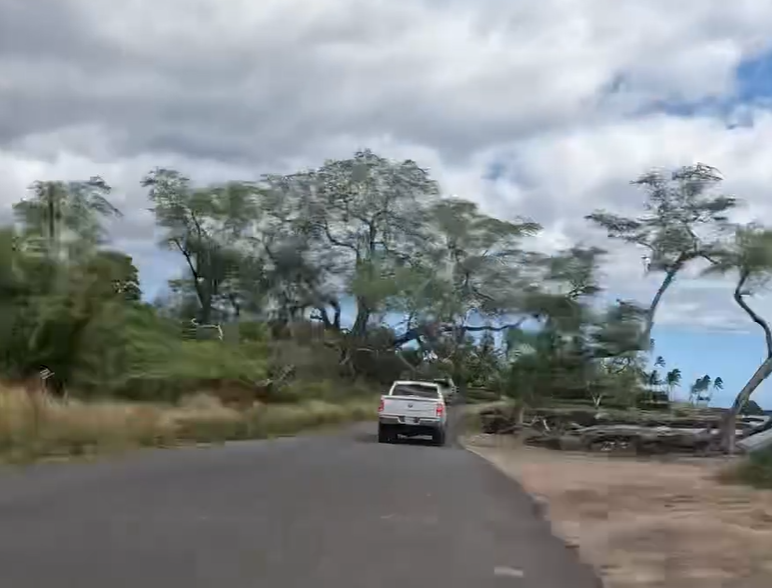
{"x": 754, "y": 470}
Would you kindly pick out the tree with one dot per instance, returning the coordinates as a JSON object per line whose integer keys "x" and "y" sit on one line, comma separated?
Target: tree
{"x": 654, "y": 380}
{"x": 298, "y": 271}
{"x": 579, "y": 348}
{"x": 54, "y": 287}
{"x": 394, "y": 246}
{"x": 749, "y": 256}
{"x": 679, "y": 214}
{"x": 371, "y": 211}
{"x": 283, "y": 255}
{"x": 65, "y": 219}
{"x": 473, "y": 270}
{"x": 584, "y": 355}
{"x": 673, "y": 380}
{"x": 700, "y": 390}
{"x": 718, "y": 384}
{"x": 117, "y": 273}
{"x": 198, "y": 222}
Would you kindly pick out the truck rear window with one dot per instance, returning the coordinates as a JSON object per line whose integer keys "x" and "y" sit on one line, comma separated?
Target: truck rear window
{"x": 417, "y": 390}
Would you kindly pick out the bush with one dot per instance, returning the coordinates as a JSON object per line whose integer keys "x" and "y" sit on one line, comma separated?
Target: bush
{"x": 755, "y": 470}
{"x": 142, "y": 357}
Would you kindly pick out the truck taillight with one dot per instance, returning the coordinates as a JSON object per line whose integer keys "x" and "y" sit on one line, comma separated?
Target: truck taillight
{"x": 380, "y": 406}
{"x": 440, "y": 410}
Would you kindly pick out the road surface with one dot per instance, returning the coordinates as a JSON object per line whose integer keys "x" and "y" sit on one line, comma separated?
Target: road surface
{"x": 337, "y": 511}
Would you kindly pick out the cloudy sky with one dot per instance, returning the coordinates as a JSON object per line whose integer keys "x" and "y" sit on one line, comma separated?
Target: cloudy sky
{"x": 544, "y": 108}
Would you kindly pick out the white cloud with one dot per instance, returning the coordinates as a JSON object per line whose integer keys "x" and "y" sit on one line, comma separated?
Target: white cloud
{"x": 547, "y": 92}
{"x": 572, "y": 171}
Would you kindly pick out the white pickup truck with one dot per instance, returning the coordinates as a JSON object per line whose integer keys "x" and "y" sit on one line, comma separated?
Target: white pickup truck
{"x": 412, "y": 409}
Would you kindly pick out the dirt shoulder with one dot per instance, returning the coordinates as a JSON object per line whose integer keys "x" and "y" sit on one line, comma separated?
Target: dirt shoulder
{"x": 645, "y": 523}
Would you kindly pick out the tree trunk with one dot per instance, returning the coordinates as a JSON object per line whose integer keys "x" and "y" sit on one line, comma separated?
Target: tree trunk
{"x": 235, "y": 305}
{"x": 206, "y": 310}
{"x": 756, "y": 318}
{"x": 520, "y": 417}
{"x": 729, "y": 425}
{"x": 651, "y": 312}
{"x": 336, "y": 317}
{"x": 761, "y": 373}
{"x": 363, "y": 316}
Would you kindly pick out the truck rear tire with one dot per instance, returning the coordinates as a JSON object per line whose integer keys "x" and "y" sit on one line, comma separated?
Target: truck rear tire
{"x": 438, "y": 437}
{"x": 384, "y": 434}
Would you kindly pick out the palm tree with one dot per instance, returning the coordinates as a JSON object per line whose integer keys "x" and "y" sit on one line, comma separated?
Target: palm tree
{"x": 672, "y": 380}
{"x": 700, "y": 391}
{"x": 659, "y": 362}
{"x": 718, "y": 384}
{"x": 653, "y": 379}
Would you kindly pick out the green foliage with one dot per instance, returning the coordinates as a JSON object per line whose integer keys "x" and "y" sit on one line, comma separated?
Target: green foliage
{"x": 268, "y": 265}
{"x": 749, "y": 254}
{"x": 679, "y": 204}
{"x": 131, "y": 353}
{"x": 678, "y": 225}
{"x": 63, "y": 219}
{"x": 755, "y": 470}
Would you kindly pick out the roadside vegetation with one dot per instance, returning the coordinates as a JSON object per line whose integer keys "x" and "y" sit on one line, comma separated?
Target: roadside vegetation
{"x": 40, "y": 427}
{"x": 755, "y": 471}
{"x": 300, "y": 297}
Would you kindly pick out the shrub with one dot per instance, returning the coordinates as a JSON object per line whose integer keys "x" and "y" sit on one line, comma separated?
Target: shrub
{"x": 145, "y": 358}
{"x": 755, "y": 470}
{"x": 35, "y": 426}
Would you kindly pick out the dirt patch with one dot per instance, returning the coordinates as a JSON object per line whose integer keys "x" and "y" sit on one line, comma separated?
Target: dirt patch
{"x": 647, "y": 523}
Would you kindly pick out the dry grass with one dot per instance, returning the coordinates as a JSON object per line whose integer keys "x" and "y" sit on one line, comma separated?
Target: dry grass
{"x": 34, "y": 426}
{"x": 648, "y": 523}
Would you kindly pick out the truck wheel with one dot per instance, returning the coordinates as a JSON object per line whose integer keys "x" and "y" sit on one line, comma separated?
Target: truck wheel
{"x": 383, "y": 434}
{"x": 439, "y": 437}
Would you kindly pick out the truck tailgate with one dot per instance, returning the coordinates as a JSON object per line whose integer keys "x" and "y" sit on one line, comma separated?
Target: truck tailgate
{"x": 410, "y": 406}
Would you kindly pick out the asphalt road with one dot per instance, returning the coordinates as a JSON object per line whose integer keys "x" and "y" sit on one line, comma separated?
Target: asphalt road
{"x": 336, "y": 511}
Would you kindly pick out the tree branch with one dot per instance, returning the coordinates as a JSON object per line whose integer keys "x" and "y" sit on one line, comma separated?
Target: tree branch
{"x": 415, "y": 333}
{"x": 755, "y": 317}
{"x": 192, "y": 266}
{"x": 337, "y": 242}
{"x": 324, "y": 317}
{"x": 492, "y": 329}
